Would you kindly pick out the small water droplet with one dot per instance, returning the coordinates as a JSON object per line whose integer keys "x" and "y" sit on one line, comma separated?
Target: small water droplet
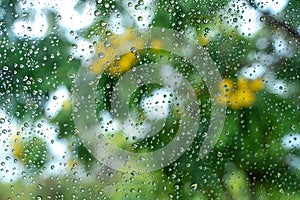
{"x": 133, "y": 50}
{"x": 140, "y": 18}
{"x": 39, "y": 197}
{"x": 2, "y": 120}
{"x": 103, "y": 23}
{"x": 194, "y": 186}
{"x": 293, "y": 127}
{"x": 101, "y": 55}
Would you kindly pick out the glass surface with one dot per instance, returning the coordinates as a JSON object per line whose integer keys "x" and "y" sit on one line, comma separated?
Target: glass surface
{"x": 150, "y": 99}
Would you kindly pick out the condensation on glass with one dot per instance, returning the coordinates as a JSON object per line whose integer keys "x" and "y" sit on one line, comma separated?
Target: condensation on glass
{"x": 150, "y": 99}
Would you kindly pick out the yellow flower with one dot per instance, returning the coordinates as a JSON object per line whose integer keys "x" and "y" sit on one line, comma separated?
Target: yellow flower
{"x": 99, "y": 65}
{"x": 226, "y": 88}
{"x": 242, "y": 98}
{"x": 203, "y": 40}
{"x": 123, "y": 65}
{"x": 109, "y": 50}
{"x": 17, "y": 145}
{"x": 239, "y": 95}
{"x": 257, "y": 85}
{"x": 242, "y": 83}
{"x": 66, "y": 105}
{"x": 71, "y": 164}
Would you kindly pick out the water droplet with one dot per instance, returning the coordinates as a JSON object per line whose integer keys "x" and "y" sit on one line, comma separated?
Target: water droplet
{"x": 97, "y": 13}
{"x": 103, "y": 23}
{"x": 140, "y": 18}
{"x": 133, "y": 50}
{"x": 293, "y": 127}
{"x": 194, "y": 186}
{"x": 2, "y": 120}
{"x": 101, "y": 55}
{"x": 39, "y": 197}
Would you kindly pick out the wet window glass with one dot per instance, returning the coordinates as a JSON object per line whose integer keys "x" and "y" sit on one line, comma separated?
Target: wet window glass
{"x": 150, "y": 99}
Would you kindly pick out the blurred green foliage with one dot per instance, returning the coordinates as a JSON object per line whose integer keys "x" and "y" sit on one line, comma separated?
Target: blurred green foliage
{"x": 249, "y": 160}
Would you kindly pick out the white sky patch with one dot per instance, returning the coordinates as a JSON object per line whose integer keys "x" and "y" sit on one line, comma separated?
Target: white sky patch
{"x": 291, "y": 141}
{"x": 9, "y": 169}
{"x": 58, "y": 155}
{"x": 254, "y": 71}
{"x": 272, "y": 6}
{"x": 82, "y": 49}
{"x": 280, "y": 87}
{"x": 116, "y": 24}
{"x": 142, "y": 17}
{"x": 75, "y": 20}
{"x": 264, "y": 59}
{"x": 133, "y": 130}
{"x": 277, "y": 86}
{"x": 35, "y": 28}
{"x": 69, "y": 17}
{"x": 293, "y": 161}
{"x": 250, "y": 24}
{"x": 282, "y": 48}
{"x": 157, "y": 106}
{"x": 243, "y": 16}
{"x": 170, "y": 76}
{"x": 262, "y": 43}
{"x": 107, "y": 123}
{"x": 56, "y": 101}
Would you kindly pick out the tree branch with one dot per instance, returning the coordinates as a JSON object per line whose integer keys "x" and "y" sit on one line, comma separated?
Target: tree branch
{"x": 272, "y": 21}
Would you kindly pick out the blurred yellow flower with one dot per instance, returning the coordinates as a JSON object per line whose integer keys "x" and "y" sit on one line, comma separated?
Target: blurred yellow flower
{"x": 66, "y": 105}
{"x": 242, "y": 98}
{"x": 157, "y": 44}
{"x": 30, "y": 150}
{"x": 239, "y": 95}
{"x": 110, "y": 50}
{"x": 242, "y": 83}
{"x": 257, "y": 84}
{"x": 71, "y": 164}
{"x": 226, "y": 88}
{"x": 17, "y": 145}
{"x": 203, "y": 40}
{"x": 123, "y": 65}
{"x": 226, "y": 85}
